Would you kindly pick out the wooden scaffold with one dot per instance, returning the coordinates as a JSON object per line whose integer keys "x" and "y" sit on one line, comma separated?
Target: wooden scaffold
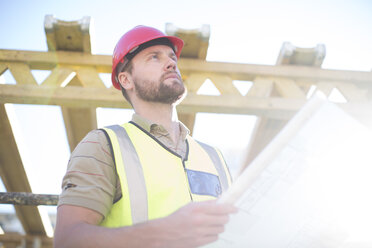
{"x": 277, "y": 92}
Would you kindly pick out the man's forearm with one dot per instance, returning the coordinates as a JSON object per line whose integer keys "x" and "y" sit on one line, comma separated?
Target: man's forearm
{"x": 87, "y": 235}
{"x": 193, "y": 225}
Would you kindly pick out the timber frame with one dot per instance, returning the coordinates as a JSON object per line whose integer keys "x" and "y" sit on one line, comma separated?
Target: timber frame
{"x": 277, "y": 92}
{"x": 291, "y": 82}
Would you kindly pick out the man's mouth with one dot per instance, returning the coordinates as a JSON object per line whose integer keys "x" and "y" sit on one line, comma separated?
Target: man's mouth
{"x": 171, "y": 75}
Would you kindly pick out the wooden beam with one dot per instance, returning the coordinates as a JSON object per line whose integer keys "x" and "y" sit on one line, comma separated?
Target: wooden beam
{"x": 16, "y": 240}
{"x": 68, "y": 35}
{"x": 3, "y": 68}
{"x": 48, "y": 60}
{"x": 196, "y": 40}
{"x": 193, "y": 82}
{"x": 288, "y": 89}
{"x": 14, "y": 176}
{"x": 325, "y": 87}
{"x": 267, "y": 128}
{"x": 59, "y": 76}
{"x": 88, "y": 76}
{"x": 276, "y": 108}
{"x": 78, "y": 122}
{"x": 196, "y": 47}
{"x": 224, "y": 84}
{"x": 188, "y": 120}
{"x": 352, "y": 93}
{"x": 74, "y": 96}
{"x": 261, "y": 87}
{"x": 21, "y": 73}
{"x": 264, "y": 131}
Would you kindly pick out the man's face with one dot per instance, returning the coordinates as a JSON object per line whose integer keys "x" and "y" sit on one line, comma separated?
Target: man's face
{"x": 156, "y": 76}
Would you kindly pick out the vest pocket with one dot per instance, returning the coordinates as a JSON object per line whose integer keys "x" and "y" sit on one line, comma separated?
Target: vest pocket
{"x": 203, "y": 183}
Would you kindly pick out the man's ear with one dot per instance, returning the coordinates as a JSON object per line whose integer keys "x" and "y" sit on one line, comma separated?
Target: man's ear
{"x": 126, "y": 81}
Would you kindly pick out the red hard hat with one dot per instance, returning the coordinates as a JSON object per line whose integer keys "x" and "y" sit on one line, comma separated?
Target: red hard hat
{"x": 132, "y": 39}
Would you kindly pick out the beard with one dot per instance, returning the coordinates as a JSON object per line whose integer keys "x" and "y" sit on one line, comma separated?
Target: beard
{"x": 159, "y": 91}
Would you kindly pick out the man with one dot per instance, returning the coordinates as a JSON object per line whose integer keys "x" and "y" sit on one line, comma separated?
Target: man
{"x": 146, "y": 183}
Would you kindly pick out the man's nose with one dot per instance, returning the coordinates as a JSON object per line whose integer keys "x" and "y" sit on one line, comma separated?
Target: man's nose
{"x": 171, "y": 64}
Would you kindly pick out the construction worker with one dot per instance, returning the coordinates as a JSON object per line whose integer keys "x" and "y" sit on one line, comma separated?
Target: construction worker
{"x": 146, "y": 183}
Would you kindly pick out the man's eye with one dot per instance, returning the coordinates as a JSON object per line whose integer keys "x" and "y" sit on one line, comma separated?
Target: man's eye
{"x": 155, "y": 56}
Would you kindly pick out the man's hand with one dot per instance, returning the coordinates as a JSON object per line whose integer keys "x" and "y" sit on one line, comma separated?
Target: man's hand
{"x": 195, "y": 224}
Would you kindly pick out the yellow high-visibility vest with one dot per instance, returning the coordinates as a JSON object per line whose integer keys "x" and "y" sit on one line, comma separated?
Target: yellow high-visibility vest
{"x": 156, "y": 181}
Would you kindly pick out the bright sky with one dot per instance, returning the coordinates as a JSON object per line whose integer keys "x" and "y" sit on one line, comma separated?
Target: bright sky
{"x": 241, "y": 31}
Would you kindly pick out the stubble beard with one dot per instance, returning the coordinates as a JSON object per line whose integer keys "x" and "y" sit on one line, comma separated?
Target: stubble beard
{"x": 159, "y": 91}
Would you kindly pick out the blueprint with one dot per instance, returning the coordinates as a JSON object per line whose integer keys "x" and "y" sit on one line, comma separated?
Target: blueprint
{"x": 310, "y": 187}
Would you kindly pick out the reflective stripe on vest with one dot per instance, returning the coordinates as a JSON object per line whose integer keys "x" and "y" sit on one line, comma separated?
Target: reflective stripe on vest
{"x": 218, "y": 164}
{"x": 135, "y": 178}
{"x": 134, "y": 174}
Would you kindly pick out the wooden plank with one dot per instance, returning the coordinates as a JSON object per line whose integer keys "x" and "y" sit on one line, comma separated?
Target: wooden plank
{"x": 352, "y": 93}
{"x": 74, "y": 96}
{"x": 3, "y": 68}
{"x": 71, "y": 96}
{"x": 224, "y": 84}
{"x": 14, "y": 176}
{"x": 305, "y": 86}
{"x": 325, "y": 87}
{"x": 196, "y": 46}
{"x": 59, "y": 76}
{"x": 194, "y": 81}
{"x": 264, "y": 131}
{"x": 230, "y": 104}
{"x": 196, "y": 40}
{"x": 68, "y": 35}
{"x": 88, "y": 77}
{"x": 78, "y": 122}
{"x": 22, "y": 73}
{"x": 48, "y": 60}
{"x": 288, "y": 88}
{"x": 75, "y": 36}
{"x": 16, "y": 240}
{"x": 261, "y": 87}
{"x": 188, "y": 120}
{"x": 267, "y": 128}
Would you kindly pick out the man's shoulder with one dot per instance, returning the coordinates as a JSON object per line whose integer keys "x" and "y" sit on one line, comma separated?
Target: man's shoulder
{"x": 96, "y": 135}
{"x": 192, "y": 139}
{"x": 94, "y": 140}
{"x": 202, "y": 144}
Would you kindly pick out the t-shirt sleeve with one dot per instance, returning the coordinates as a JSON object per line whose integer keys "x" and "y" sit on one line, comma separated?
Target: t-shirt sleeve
{"x": 90, "y": 180}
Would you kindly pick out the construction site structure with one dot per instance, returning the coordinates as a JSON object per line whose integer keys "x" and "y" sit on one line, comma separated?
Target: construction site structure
{"x": 277, "y": 92}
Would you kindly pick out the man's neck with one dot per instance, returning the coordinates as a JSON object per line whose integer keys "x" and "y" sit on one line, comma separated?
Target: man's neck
{"x": 161, "y": 114}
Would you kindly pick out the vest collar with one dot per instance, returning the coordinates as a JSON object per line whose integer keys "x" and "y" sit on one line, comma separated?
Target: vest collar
{"x": 161, "y": 144}
{"x": 150, "y": 126}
